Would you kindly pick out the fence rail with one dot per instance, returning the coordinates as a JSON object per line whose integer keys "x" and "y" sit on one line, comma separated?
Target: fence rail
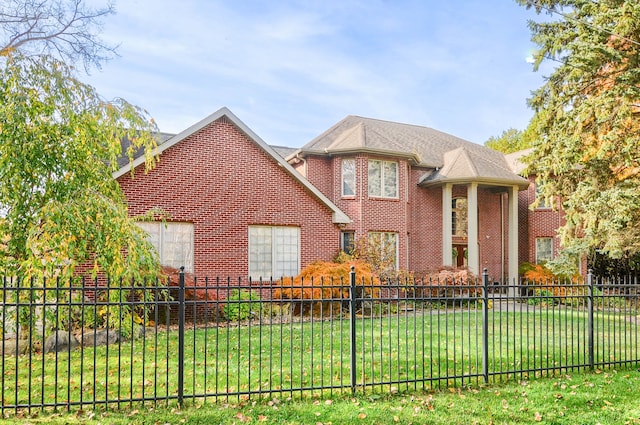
{"x": 124, "y": 343}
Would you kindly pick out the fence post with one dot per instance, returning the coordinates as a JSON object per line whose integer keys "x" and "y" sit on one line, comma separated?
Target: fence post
{"x": 181, "y": 337}
{"x": 352, "y": 326}
{"x": 590, "y": 342}
{"x": 485, "y": 325}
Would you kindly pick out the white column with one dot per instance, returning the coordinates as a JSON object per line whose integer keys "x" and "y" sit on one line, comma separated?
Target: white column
{"x": 447, "y": 237}
{"x": 473, "y": 257}
{"x": 513, "y": 239}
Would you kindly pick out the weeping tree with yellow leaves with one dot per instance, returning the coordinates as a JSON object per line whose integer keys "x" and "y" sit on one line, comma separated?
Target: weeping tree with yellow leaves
{"x": 60, "y": 206}
{"x": 587, "y": 122}
{"x": 60, "y": 142}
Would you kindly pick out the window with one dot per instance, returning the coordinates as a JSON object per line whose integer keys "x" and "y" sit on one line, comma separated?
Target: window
{"x": 347, "y": 241}
{"x": 172, "y": 241}
{"x": 383, "y": 179}
{"x": 459, "y": 217}
{"x": 540, "y": 198}
{"x": 386, "y": 243}
{"x": 348, "y": 177}
{"x": 544, "y": 249}
{"x": 274, "y": 251}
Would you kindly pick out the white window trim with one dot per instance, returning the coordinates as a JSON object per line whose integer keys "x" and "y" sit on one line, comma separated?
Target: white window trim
{"x": 342, "y": 179}
{"x": 274, "y": 259}
{"x": 162, "y": 229}
{"x": 545, "y": 203}
{"x": 397, "y": 245}
{"x": 550, "y": 239}
{"x": 382, "y": 179}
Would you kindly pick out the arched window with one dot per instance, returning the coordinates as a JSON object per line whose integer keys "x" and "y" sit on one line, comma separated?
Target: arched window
{"x": 459, "y": 217}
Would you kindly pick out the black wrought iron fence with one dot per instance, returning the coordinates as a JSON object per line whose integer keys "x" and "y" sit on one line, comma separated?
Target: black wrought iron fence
{"x": 66, "y": 346}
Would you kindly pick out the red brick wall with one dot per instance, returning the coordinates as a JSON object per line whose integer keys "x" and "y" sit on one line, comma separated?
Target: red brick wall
{"x": 541, "y": 222}
{"x": 222, "y": 182}
{"x": 416, "y": 215}
{"x": 425, "y": 224}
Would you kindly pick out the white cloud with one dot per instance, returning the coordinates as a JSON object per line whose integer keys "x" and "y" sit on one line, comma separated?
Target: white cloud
{"x": 294, "y": 68}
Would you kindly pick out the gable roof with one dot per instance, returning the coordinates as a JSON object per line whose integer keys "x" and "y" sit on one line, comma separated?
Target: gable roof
{"x": 462, "y": 165}
{"x": 515, "y": 160}
{"x": 451, "y": 157}
{"x": 339, "y": 216}
{"x": 125, "y": 143}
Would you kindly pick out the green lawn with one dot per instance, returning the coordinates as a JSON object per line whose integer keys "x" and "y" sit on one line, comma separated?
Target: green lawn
{"x": 603, "y": 397}
{"x": 418, "y": 351}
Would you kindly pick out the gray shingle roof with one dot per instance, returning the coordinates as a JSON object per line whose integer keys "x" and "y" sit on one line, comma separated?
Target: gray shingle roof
{"x": 452, "y": 158}
{"x": 123, "y": 160}
{"x": 283, "y": 151}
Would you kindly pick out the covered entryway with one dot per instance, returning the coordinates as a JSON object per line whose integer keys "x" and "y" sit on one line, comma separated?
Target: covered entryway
{"x": 462, "y": 167}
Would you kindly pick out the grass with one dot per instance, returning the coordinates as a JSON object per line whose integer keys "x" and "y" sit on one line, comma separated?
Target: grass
{"x": 603, "y": 397}
{"x": 413, "y": 351}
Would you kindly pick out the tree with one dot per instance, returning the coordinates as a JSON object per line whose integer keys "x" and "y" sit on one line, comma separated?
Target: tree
{"x": 587, "y": 121}
{"x": 66, "y": 29}
{"x": 510, "y": 140}
{"x": 59, "y": 144}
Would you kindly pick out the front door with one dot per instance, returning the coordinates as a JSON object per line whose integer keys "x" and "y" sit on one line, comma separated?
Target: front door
{"x": 459, "y": 251}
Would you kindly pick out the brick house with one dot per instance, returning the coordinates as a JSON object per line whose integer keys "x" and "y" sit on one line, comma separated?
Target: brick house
{"x": 438, "y": 199}
{"x": 236, "y": 208}
{"x": 239, "y": 207}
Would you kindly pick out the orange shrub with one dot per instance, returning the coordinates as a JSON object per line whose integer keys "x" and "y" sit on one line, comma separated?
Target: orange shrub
{"x": 540, "y": 277}
{"x": 446, "y": 282}
{"x": 321, "y": 286}
{"x": 191, "y": 292}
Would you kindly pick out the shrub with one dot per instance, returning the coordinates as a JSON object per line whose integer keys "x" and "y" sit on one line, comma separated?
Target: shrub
{"x": 539, "y": 277}
{"x": 447, "y": 282}
{"x": 321, "y": 286}
{"x": 239, "y": 305}
{"x": 542, "y": 297}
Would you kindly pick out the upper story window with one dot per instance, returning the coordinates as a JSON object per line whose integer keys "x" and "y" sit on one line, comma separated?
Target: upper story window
{"x": 348, "y": 177}
{"x": 383, "y": 179}
{"x": 459, "y": 217}
{"x": 543, "y": 202}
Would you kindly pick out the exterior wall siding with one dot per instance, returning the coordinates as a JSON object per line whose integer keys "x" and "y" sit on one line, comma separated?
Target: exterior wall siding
{"x": 222, "y": 182}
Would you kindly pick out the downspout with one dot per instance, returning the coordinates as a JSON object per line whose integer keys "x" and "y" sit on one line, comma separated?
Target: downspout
{"x": 360, "y": 184}
{"x": 502, "y": 238}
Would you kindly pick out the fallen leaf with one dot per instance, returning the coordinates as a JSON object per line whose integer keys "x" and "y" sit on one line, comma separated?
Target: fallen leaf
{"x": 362, "y": 415}
{"x": 538, "y": 417}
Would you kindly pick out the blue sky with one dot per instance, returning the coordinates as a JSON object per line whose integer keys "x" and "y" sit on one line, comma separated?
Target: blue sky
{"x": 291, "y": 69}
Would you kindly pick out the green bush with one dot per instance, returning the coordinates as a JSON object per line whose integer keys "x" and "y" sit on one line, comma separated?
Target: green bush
{"x": 542, "y": 296}
{"x": 239, "y": 306}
